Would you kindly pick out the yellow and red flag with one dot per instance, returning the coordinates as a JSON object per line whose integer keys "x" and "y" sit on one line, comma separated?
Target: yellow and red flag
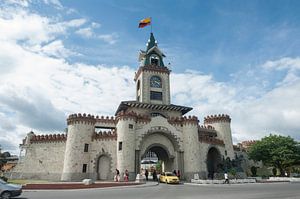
{"x": 145, "y": 22}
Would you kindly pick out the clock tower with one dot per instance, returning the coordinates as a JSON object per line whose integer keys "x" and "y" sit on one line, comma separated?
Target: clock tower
{"x": 152, "y": 78}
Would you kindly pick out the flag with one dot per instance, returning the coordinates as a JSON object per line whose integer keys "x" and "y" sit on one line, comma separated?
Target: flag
{"x": 145, "y": 22}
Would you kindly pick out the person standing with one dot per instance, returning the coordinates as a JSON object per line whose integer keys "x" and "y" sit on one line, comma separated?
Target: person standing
{"x": 154, "y": 175}
{"x": 178, "y": 174}
{"x": 146, "y": 174}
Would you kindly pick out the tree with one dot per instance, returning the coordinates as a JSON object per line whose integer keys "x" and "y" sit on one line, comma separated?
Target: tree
{"x": 275, "y": 150}
{"x": 3, "y": 158}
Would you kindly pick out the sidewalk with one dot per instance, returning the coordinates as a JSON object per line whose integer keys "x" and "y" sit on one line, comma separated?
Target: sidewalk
{"x": 76, "y": 185}
{"x": 80, "y": 185}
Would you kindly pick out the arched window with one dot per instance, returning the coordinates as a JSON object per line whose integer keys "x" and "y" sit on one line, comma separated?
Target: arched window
{"x": 155, "y": 82}
{"x": 154, "y": 60}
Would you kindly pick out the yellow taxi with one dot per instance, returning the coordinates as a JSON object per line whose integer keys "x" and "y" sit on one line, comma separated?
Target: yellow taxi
{"x": 168, "y": 177}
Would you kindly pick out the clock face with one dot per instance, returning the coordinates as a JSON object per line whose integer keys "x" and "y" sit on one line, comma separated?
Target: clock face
{"x": 155, "y": 81}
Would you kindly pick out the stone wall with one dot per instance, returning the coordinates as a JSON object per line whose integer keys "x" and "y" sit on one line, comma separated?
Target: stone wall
{"x": 42, "y": 160}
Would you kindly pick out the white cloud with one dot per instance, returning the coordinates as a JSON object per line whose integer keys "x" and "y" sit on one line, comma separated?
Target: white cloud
{"x": 85, "y": 32}
{"x": 283, "y": 63}
{"x": 109, "y": 38}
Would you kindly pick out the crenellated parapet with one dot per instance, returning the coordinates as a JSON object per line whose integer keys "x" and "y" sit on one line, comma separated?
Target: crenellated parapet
{"x": 183, "y": 120}
{"x": 105, "y": 135}
{"x": 217, "y": 119}
{"x": 48, "y": 138}
{"x": 106, "y": 120}
{"x": 125, "y": 115}
{"x": 206, "y": 127}
{"x": 81, "y": 118}
{"x": 211, "y": 140}
{"x": 248, "y": 143}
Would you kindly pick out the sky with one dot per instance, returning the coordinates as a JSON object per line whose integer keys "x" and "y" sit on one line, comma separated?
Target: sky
{"x": 240, "y": 58}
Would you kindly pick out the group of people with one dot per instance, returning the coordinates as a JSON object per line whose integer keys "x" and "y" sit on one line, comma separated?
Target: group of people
{"x": 125, "y": 177}
{"x": 155, "y": 175}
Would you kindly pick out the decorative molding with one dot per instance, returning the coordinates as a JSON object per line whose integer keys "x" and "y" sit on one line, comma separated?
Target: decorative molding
{"x": 210, "y": 140}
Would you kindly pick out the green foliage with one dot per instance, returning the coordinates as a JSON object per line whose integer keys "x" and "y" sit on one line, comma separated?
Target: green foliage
{"x": 158, "y": 166}
{"x": 276, "y": 150}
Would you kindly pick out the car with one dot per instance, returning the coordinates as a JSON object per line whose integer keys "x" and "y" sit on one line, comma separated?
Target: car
{"x": 169, "y": 177}
{"x": 9, "y": 190}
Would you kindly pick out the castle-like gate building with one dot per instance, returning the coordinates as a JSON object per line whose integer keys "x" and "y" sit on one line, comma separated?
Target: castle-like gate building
{"x": 94, "y": 146}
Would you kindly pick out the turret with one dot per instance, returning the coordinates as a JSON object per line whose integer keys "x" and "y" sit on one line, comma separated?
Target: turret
{"x": 126, "y": 143}
{"x": 76, "y": 161}
{"x": 221, "y": 123}
{"x": 191, "y": 146}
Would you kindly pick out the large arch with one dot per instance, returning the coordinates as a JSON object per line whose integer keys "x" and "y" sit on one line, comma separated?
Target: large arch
{"x": 164, "y": 145}
{"x": 213, "y": 160}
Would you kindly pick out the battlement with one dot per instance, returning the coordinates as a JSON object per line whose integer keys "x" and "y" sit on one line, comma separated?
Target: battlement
{"x": 105, "y": 135}
{"x": 211, "y": 140}
{"x": 124, "y": 115}
{"x": 217, "y": 118}
{"x": 183, "y": 120}
{"x": 248, "y": 143}
{"x": 90, "y": 119}
{"x": 206, "y": 127}
{"x": 48, "y": 138}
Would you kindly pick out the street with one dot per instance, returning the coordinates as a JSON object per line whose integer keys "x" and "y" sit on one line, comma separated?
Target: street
{"x": 244, "y": 191}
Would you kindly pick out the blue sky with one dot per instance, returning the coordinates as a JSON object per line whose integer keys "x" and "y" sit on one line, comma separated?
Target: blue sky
{"x": 235, "y": 57}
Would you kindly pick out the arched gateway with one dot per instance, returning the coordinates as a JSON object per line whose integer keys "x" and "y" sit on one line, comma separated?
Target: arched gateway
{"x": 213, "y": 161}
{"x": 164, "y": 145}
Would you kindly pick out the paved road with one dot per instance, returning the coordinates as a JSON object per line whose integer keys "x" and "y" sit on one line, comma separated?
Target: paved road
{"x": 242, "y": 191}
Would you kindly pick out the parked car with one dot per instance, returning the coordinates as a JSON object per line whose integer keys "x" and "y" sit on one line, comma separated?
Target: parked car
{"x": 168, "y": 177}
{"x": 9, "y": 190}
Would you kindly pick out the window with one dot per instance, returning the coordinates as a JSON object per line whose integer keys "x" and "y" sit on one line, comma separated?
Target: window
{"x": 155, "y": 95}
{"x": 225, "y": 152}
{"x": 84, "y": 167}
{"x": 86, "y": 147}
{"x": 120, "y": 146}
{"x": 154, "y": 60}
{"x": 130, "y": 126}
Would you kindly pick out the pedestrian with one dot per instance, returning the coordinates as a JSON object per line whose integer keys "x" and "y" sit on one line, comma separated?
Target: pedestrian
{"x": 126, "y": 175}
{"x": 178, "y": 174}
{"x": 146, "y": 174}
{"x": 117, "y": 176}
{"x": 158, "y": 177}
{"x": 174, "y": 172}
{"x": 226, "y": 178}
{"x": 154, "y": 175}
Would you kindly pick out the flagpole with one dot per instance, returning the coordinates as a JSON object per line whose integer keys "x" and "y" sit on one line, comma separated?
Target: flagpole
{"x": 151, "y": 23}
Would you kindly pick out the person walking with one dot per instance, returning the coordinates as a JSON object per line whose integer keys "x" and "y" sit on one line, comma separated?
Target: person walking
{"x": 126, "y": 175}
{"x": 226, "y": 178}
{"x": 117, "y": 176}
{"x": 154, "y": 175}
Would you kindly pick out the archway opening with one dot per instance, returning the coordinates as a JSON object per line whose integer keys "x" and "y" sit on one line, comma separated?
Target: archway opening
{"x": 157, "y": 158}
{"x": 213, "y": 162}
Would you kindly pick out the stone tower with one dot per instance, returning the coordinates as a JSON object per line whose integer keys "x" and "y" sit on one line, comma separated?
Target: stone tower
{"x": 221, "y": 124}
{"x": 152, "y": 77}
{"x": 76, "y": 161}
